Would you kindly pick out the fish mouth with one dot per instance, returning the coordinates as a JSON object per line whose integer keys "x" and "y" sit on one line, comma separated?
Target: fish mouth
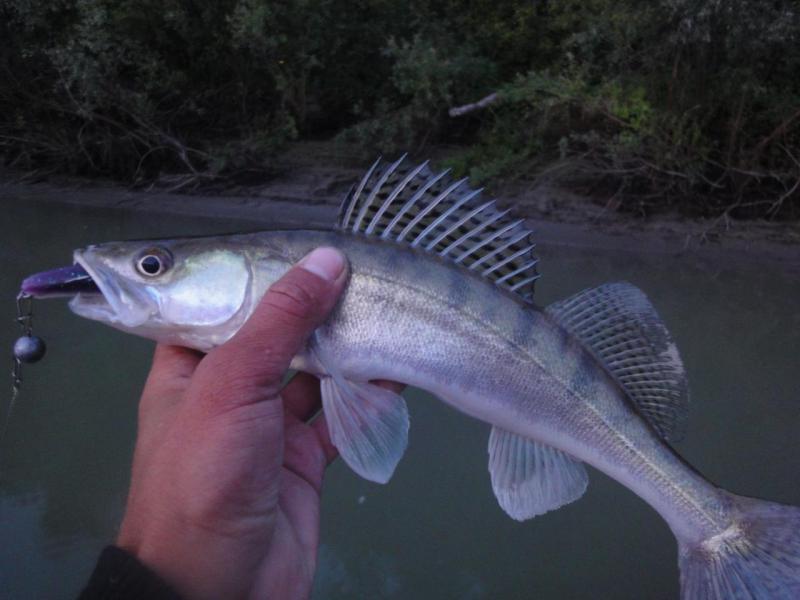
{"x": 117, "y": 303}
{"x": 96, "y": 293}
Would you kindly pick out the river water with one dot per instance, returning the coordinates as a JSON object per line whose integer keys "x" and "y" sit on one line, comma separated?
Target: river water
{"x": 435, "y": 531}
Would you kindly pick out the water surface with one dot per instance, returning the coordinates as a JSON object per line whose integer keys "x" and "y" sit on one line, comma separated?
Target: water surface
{"x": 435, "y": 531}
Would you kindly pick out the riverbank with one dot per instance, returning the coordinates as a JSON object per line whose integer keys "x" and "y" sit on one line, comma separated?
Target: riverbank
{"x": 307, "y": 195}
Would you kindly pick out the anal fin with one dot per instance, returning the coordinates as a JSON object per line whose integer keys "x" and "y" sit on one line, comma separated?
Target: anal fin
{"x": 530, "y": 478}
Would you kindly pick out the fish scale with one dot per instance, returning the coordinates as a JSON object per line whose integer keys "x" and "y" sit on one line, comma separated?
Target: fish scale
{"x": 509, "y": 369}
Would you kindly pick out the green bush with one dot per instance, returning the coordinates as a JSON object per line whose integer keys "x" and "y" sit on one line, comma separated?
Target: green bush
{"x": 670, "y": 103}
{"x": 427, "y": 77}
{"x": 136, "y": 89}
{"x": 689, "y": 103}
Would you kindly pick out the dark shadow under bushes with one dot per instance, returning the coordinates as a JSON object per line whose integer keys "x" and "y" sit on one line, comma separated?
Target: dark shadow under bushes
{"x": 688, "y": 104}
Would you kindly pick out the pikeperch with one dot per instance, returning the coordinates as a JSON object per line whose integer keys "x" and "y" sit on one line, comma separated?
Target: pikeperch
{"x": 440, "y": 297}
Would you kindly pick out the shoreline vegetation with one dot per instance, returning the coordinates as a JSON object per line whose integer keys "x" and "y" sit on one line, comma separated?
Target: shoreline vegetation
{"x": 678, "y": 107}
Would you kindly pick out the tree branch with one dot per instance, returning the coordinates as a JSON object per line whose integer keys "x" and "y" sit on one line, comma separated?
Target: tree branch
{"x": 458, "y": 111}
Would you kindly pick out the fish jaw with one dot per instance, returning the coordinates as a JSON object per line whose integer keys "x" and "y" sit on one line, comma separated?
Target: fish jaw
{"x": 118, "y": 303}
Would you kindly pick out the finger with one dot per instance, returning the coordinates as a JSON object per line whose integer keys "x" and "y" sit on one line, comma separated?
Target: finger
{"x": 302, "y": 400}
{"x": 170, "y": 373}
{"x": 164, "y": 390}
{"x": 392, "y": 386}
{"x": 301, "y": 396}
{"x": 250, "y": 366}
{"x": 174, "y": 362}
{"x": 320, "y": 424}
{"x": 320, "y": 427}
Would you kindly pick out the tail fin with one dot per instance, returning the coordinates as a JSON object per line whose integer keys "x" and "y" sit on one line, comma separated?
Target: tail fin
{"x": 756, "y": 558}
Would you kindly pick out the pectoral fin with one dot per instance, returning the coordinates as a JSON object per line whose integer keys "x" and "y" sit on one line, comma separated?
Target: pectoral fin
{"x": 529, "y": 478}
{"x": 368, "y": 425}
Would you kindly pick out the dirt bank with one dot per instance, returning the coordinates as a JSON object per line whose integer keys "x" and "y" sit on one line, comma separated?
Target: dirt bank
{"x": 308, "y": 195}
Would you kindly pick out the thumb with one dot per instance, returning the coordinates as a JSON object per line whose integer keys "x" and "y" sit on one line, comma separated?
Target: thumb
{"x": 250, "y": 366}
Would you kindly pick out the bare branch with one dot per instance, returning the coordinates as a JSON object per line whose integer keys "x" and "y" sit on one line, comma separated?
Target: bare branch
{"x": 781, "y": 129}
{"x": 458, "y": 111}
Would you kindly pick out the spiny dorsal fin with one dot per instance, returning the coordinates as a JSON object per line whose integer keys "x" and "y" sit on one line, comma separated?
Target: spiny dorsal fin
{"x": 619, "y": 325}
{"x": 413, "y": 206}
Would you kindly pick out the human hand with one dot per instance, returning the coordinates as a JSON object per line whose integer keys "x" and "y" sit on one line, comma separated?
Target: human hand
{"x": 227, "y": 473}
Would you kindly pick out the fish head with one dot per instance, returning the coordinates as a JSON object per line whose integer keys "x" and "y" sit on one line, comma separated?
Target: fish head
{"x": 179, "y": 291}
{"x": 195, "y": 292}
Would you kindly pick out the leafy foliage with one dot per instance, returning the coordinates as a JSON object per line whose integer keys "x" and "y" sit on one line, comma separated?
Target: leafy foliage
{"x": 692, "y": 103}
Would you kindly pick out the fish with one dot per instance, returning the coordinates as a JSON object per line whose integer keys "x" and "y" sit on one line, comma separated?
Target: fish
{"x": 441, "y": 296}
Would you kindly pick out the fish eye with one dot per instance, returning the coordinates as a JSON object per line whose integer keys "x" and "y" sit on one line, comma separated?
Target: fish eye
{"x": 153, "y": 262}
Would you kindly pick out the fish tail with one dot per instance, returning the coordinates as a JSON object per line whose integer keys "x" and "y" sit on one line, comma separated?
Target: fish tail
{"x": 757, "y": 557}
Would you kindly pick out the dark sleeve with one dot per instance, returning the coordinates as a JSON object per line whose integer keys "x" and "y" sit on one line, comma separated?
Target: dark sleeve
{"x": 120, "y": 576}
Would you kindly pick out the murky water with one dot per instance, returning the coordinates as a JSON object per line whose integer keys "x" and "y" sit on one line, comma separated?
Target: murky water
{"x": 435, "y": 531}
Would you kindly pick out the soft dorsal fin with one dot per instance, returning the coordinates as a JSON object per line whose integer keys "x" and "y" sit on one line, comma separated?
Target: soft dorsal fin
{"x": 617, "y": 323}
{"x": 411, "y": 205}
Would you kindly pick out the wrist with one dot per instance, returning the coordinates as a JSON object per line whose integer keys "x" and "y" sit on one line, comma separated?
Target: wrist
{"x": 118, "y": 574}
{"x": 196, "y": 563}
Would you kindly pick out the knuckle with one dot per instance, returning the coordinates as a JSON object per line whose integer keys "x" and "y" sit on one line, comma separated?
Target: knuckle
{"x": 291, "y": 298}
{"x": 224, "y": 384}
{"x": 245, "y": 388}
